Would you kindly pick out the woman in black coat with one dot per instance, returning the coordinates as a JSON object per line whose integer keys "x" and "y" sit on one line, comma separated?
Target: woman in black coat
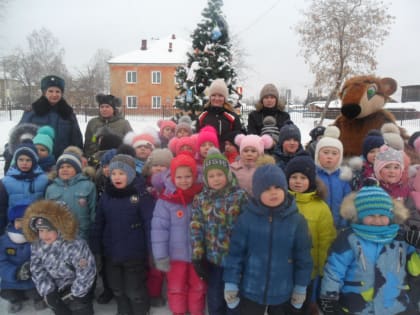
{"x": 218, "y": 113}
{"x": 269, "y": 105}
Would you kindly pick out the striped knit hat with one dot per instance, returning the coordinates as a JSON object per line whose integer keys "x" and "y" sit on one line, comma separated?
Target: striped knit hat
{"x": 70, "y": 158}
{"x": 371, "y": 200}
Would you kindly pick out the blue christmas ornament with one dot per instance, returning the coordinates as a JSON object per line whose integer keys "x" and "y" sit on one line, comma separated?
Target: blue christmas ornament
{"x": 189, "y": 96}
{"x": 216, "y": 33}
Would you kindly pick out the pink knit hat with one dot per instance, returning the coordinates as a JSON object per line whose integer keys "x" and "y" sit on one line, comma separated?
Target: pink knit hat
{"x": 162, "y": 124}
{"x": 208, "y": 133}
{"x": 260, "y": 143}
{"x": 385, "y": 156}
{"x": 175, "y": 144}
{"x": 136, "y": 140}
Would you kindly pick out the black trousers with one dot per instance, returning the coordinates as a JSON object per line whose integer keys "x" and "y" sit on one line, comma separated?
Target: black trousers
{"x": 248, "y": 307}
{"x": 14, "y": 295}
{"x": 127, "y": 281}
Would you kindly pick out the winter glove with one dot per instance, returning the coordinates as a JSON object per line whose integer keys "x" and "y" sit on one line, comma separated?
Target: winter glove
{"x": 162, "y": 264}
{"x": 24, "y": 273}
{"x": 54, "y": 302}
{"x": 298, "y": 296}
{"x": 412, "y": 237}
{"x": 231, "y": 295}
{"x": 200, "y": 268}
{"x": 329, "y": 306}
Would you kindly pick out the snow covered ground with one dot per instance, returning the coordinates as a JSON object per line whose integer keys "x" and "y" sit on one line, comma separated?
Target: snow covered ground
{"x": 138, "y": 124}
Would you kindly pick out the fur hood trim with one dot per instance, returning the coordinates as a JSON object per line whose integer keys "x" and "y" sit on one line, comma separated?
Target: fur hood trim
{"x": 58, "y": 215}
{"x": 42, "y": 107}
{"x": 19, "y": 133}
{"x": 348, "y": 210}
{"x": 321, "y": 189}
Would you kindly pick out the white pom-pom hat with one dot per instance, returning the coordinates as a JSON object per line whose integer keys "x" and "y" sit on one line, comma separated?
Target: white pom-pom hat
{"x": 330, "y": 139}
{"x": 260, "y": 143}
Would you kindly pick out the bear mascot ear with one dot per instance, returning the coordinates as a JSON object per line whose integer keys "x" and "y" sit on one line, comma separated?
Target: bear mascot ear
{"x": 388, "y": 86}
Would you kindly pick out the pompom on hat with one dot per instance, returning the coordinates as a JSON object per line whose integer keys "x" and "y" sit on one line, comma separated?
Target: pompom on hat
{"x": 52, "y": 80}
{"x": 270, "y": 128}
{"x": 260, "y": 143}
{"x": 330, "y": 139}
{"x": 216, "y": 160}
{"x": 219, "y": 86}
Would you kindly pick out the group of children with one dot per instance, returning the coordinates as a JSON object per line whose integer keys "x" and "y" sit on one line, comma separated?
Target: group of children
{"x": 220, "y": 218}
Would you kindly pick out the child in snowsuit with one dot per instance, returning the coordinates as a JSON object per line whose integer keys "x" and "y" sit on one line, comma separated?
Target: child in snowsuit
{"x": 367, "y": 268}
{"x": 269, "y": 262}
{"x": 214, "y": 213}
{"x": 62, "y": 265}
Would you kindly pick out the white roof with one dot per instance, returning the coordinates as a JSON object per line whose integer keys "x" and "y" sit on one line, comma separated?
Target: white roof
{"x": 157, "y": 53}
{"x": 405, "y": 105}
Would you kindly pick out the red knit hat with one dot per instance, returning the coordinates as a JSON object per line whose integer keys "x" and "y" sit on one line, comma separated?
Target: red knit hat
{"x": 184, "y": 159}
{"x": 162, "y": 124}
{"x": 208, "y": 133}
{"x": 175, "y": 144}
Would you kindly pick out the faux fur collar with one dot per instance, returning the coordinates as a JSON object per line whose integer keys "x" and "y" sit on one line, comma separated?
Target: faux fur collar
{"x": 42, "y": 107}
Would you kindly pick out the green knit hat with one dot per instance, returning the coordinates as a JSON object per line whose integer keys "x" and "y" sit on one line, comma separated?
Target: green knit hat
{"x": 216, "y": 160}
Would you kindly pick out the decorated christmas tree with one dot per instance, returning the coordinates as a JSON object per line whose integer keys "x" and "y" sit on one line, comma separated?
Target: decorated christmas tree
{"x": 210, "y": 59}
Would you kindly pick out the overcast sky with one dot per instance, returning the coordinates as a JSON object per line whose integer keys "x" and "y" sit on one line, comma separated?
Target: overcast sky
{"x": 265, "y": 30}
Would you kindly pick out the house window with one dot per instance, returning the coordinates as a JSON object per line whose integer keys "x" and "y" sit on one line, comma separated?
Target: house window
{"x": 156, "y": 77}
{"x": 131, "y": 76}
{"x": 131, "y": 101}
{"x": 156, "y": 102}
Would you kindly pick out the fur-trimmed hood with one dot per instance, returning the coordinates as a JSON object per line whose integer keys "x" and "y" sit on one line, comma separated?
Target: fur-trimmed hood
{"x": 57, "y": 214}
{"x": 20, "y": 132}
{"x": 42, "y": 107}
{"x": 349, "y": 212}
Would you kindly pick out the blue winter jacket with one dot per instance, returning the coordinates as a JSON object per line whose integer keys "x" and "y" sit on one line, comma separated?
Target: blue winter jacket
{"x": 122, "y": 226}
{"x": 269, "y": 253}
{"x": 79, "y": 194}
{"x": 12, "y": 256}
{"x": 370, "y": 278}
{"x": 17, "y": 188}
{"x": 337, "y": 190}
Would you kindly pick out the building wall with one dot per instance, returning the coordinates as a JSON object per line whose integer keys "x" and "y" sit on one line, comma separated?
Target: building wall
{"x": 144, "y": 89}
{"x": 410, "y": 93}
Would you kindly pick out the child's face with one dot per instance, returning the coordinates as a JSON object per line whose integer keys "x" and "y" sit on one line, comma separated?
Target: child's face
{"x": 24, "y": 163}
{"x": 372, "y": 155}
{"x": 105, "y": 170}
{"x": 204, "y": 148}
{"x": 158, "y": 168}
{"x": 249, "y": 156}
{"x": 185, "y": 147}
{"x": 272, "y": 197}
{"x": 329, "y": 157}
{"x": 378, "y": 220}
{"x": 299, "y": 182}
{"x": 18, "y": 223}
{"x": 230, "y": 148}
{"x": 106, "y": 111}
{"x": 183, "y": 177}
{"x": 119, "y": 178}
{"x": 269, "y": 101}
{"x": 47, "y": 236}
{"x": 53, "y": 95}
{"x": 290, "y": 146}
{"x": 182, "y": 133}
{"x": 168, "y": 132}
{"x": 216, "y": 179}
{"x": 391, "y": 173}
{"x": 143, "y": 151}
{"x": 66, "y": 171}
{"x": 217, "y": 100}
{"x": 42, "y": 151}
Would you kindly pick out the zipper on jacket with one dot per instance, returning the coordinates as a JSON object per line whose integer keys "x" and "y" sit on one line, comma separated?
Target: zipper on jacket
{"x": 360, "y": 256}
{"x": 400, "y": 258}
{"x": 270, "y": 245}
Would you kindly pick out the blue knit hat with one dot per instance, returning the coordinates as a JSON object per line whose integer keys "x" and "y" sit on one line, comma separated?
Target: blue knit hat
{"x": 45, "y": 136}
{"x": 372, "y": 140}
{"x": 289, "y": 131}
{"x": 26, "y": 148}
{"x": 70, "y": 158}
{"x": 107, "y": 156}
{"x": 371, "y": 200}
{"x": 266, "y": 176}
{"x": 52, "y": 80}
{"x": 302, "y": 164}
{"x": 17, "y": 212}
{"x": 126, "y": 163}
